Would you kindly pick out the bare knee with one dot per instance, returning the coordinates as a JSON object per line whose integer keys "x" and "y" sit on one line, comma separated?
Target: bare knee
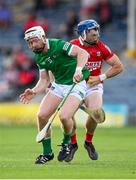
{"x": 42, "y": 117}
{"x": 42, "y": 120}
{"x": 63, "y": 117}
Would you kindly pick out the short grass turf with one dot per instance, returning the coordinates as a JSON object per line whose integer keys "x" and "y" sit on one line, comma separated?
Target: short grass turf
{"x": 116, "y": 148}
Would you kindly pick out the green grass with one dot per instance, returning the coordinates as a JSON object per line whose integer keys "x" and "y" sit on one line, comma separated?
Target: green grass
{"x": 116, "y": 147}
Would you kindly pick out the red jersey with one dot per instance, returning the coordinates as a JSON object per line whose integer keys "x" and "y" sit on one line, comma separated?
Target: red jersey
{"x": 98, "y": 53}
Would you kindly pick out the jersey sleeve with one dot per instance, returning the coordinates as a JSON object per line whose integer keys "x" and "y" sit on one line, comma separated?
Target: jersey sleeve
{"x": 107, "y": 53}
{"x": 65, "y": 46}
{"x": 41, "y": 68}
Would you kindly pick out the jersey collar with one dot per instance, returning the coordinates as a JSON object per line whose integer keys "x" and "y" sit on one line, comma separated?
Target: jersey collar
{"x": 80, "y": 40}
{"x": 47, "y": 43}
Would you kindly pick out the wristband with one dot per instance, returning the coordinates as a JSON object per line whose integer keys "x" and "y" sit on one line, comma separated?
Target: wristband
{"x": 102, "y": 77}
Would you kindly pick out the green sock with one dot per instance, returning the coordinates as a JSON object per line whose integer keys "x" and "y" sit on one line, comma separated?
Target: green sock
{"x": 47, "y": 146}
{"x": 66, "y": 138}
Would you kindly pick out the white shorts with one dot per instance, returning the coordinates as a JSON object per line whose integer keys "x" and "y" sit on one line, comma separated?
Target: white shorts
{"x": 78, "y": 91}
{"x": 91, "y": 90}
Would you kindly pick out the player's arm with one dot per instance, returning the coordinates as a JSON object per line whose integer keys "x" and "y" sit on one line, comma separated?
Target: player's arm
{"x": 82, "y": 58}
{"x": 41, "y": 86}
{"x": 113, "y": 60}
{"x": 43, "y": 82}
{"x": 81, "y": 54}
{"x": 51, "y": 77}
{"x": 116, "y": 66}
{"x": 115, "y": 69}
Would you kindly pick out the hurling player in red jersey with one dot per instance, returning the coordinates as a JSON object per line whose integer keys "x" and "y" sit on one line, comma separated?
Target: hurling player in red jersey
{"x": 88, "y": 31}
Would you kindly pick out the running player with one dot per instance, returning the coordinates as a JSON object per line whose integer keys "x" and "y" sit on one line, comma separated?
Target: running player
{"x": 66, "y": 62}
{"x": 88, "y": 31}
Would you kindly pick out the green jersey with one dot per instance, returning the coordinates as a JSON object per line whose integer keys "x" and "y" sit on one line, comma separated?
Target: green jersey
{"x": 59, "y": 62}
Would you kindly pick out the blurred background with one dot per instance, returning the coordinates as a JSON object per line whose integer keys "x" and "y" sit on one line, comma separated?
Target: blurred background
{"x": 117, "y": 19}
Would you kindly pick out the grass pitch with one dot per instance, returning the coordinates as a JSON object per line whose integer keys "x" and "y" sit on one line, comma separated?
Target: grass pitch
{"x": 116, "y": 148}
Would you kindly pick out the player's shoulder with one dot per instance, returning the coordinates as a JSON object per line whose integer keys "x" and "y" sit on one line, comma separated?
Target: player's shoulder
{"x": 75, "y": 41}
{"x": 55, "y": 43}
{"x": 58, "y": 41}
{"x": 54, "y": 40}
{"x": 105, "y": 49}
{"x": 102, "y": 45}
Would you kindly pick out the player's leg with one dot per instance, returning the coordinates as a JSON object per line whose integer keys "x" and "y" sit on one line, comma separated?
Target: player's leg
{"x": 73, "y": 141}
{"x": 94, "y": 102}
{"x": 67, "y": 111}
{"x": 47, "y": 107}
{"x": 73, "y": 138}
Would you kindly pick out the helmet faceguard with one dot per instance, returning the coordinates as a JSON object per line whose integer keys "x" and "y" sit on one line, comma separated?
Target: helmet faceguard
{"x": 36, "y": 31}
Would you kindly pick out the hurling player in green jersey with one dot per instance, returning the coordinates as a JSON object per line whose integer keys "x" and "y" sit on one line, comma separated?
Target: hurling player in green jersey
{"x": 66, "y": 62}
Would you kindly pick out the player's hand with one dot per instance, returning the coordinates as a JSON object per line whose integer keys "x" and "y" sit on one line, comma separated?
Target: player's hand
{"x": 93, "y": 80}
{"x": 27, "y": 96}
{"x": 78, "y": 75}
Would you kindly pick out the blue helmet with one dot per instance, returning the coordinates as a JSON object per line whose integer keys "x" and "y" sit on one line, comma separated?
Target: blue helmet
{"x": 87, "y": 24}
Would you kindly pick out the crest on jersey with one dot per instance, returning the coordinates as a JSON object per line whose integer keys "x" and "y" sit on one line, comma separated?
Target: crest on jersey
{"x": 98, "y": 53}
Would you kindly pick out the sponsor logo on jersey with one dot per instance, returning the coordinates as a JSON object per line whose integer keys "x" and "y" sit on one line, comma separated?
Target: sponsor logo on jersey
{"x": 93, "y": 65}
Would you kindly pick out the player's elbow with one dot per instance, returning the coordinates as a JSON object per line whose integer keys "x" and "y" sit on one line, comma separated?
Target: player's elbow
{"x": 118, "y": 64}
{"x": 119, "y": 68}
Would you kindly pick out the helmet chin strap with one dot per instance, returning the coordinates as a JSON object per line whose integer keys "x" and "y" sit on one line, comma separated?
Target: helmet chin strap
{"x": 90, "y": 43}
